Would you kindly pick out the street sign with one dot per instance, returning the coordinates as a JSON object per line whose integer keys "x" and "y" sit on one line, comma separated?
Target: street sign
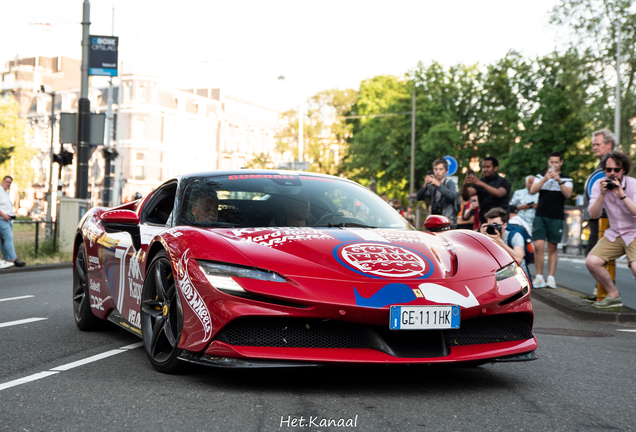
{"x": 452, "y": 165}
{"x": 102, "y": 59}
{"x": 68, "y": 128}
{"x": 596, "y": 176}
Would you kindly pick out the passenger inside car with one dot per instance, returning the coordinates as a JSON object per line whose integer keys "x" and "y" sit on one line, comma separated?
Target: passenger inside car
{"x": 297, "y": 208}
{"x": 205, "y": 208}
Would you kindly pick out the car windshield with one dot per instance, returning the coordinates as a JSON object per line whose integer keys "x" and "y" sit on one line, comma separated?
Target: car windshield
{"x": 283, "y": 200}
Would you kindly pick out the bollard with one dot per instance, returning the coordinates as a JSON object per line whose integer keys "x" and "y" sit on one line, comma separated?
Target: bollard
{"x": 601, "y": 292}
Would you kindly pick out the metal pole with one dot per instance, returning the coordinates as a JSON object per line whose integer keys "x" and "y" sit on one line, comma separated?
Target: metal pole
{"x": 412, "y": 187}
{"x": 617, "y": 111}
{"x": 301, "y": 143}
{"x": 120, "y": 125}
{"x": 107, "y": 160}
{"x": 49, "y": 194}
{"x": 84, "y": 111}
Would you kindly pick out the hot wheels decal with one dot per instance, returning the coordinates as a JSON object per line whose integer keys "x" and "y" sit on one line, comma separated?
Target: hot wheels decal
{"x": 379, "y": 260}
{"x": 192, "y": 296}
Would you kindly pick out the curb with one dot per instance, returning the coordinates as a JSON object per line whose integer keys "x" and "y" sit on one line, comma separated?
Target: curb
{"x": 41, "y": 267}
{"x": 572, "y": 304}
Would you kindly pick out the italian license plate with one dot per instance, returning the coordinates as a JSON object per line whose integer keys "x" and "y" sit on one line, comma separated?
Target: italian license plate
{"x": 424, "y": 317}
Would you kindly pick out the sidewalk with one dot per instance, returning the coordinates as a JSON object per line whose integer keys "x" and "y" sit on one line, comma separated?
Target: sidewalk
{"x": 31, "y": 268}
{"x": 573, "y": 304}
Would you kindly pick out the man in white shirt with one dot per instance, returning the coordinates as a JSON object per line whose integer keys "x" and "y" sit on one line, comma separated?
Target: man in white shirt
{"x": 7, "y": 215}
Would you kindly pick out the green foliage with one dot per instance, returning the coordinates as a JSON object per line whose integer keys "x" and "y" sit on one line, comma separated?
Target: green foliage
{"x": 261, "y": 161}
{"x": 594, "y": 28}
{"x": 325, "y": 133}
{"x": 15, "y": 154}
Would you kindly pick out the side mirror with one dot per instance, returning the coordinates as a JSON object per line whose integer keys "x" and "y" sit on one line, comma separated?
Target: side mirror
{"x": 437, "y": 223}
{"x": 115, "y": 221}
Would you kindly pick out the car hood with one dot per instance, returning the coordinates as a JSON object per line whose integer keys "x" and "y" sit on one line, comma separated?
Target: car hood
{"x": 357, "y": 253}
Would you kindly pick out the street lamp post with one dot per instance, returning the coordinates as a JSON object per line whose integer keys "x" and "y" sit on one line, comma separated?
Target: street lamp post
{"x": 301, "y": 115}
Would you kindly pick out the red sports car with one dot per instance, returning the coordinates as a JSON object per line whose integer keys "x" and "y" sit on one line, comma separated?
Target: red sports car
{"x": 256, "y": 268}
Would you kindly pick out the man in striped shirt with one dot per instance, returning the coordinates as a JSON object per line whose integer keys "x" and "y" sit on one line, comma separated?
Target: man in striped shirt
{"x": 553, "y": 188}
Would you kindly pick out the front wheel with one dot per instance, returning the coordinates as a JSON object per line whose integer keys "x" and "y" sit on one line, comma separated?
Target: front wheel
{"x": 161, "y": 316}
{"x": 84, "y": 317}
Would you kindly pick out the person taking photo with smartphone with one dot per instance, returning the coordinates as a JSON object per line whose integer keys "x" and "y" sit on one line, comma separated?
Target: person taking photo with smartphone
{"x": 442, "y": 191}
{"x": 553, "y": 188}
{"x": 492, "y": 189}
{"x": 617, "y": 194}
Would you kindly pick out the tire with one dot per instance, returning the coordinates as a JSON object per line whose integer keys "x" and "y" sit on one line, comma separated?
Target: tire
{"x": 161, "y": 316}
{"x": 82, "y": 312}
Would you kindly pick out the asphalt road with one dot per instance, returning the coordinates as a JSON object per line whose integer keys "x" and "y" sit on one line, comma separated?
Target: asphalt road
{"x": 580, "y": 383}
{"x": 572, "y": 273}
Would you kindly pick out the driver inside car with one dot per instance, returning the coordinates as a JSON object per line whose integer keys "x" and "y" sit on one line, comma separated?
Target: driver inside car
{"x": 205, "y": 208}
{"x": 297, "y": 209}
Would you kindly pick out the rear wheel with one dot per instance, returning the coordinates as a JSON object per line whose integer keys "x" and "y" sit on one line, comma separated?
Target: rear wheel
{"x": 161, "y": 316}
{"x": 84, "y": 317}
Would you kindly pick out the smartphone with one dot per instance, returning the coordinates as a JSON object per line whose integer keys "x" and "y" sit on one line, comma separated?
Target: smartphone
{"x": 470, "y": 172}
{"x": 551, "y": 168}
{"x": 429, "y": 173}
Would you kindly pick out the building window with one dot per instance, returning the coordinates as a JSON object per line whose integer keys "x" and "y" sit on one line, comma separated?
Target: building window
{"x": 139, "y": 172}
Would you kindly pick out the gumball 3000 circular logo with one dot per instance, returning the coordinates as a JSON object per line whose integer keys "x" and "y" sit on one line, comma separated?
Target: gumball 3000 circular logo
{"x": 383, "y": 260}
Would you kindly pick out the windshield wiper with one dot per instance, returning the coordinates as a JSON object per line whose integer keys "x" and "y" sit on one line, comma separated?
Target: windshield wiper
{"x": 349, "y": 225}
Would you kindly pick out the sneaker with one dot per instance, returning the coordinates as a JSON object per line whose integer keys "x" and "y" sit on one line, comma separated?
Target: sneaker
{"x": 538, "y": 282}
{"x": 608, "y": 302}
{"x": 5, "y": 264}
{"x": 19, "y": 263}
{"x": 551, "y": 282}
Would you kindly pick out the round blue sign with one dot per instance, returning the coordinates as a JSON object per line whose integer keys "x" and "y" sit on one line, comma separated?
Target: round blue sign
{"x": 596, "y": 176}
{"x": 452, "y": 165}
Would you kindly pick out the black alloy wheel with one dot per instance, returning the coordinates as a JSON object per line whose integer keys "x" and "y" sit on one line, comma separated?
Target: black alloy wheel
{"x": 84, "y": 317}
{"x": 161, "y": 316}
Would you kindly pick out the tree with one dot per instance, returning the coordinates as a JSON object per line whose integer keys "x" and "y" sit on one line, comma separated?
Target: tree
{"x": 325, "y": 132}
{"x": 15, "y": 155}
{"x": 594, "y": 25}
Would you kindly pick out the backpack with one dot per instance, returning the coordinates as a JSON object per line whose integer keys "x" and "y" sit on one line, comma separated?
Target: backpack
{"x": 527, "y": 239}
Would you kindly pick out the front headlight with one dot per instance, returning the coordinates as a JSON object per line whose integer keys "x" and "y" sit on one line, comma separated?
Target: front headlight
{"x": 512, "y": 270}
{"x": 220, "y": 275}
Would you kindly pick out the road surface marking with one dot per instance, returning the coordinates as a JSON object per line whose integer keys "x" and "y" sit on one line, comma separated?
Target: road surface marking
{"x": 87, "y": 360}
{"x": 22, "y": 321}
{"x": 625, "y": 330}
{"x": 16, "y": 298}
{"x": 27, "y": 379}
{"x": 68, "y": 366}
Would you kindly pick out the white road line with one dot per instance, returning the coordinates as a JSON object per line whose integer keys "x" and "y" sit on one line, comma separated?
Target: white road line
{"x": 25, "y": 380}
{"x": 18, "y": 322}
{"x": 625, "y": 330}
{"x": 16, "y": 298}
{"x": 88, "y": 360}
{"x": 68, "y": 366}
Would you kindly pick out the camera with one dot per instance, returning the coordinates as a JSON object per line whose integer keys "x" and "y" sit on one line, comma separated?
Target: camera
{"x": 610, "y": 185}
{"x": 493, "y": 228}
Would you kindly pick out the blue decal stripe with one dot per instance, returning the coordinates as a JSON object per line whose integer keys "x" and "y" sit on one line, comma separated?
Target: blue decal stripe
{"x": 385, "y": 296}
{"x": 344, "y": 235}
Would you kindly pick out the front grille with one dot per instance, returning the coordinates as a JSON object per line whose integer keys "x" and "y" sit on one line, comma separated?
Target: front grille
{"x": 313, "y": 333}
{"x": 291, "y": 332}
{"x": 489, "y": 329}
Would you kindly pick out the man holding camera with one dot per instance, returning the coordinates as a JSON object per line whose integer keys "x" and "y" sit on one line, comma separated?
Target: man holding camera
{"x": 553, "y": 188}
{"x": 620, "y": 205}
{"x": 441, "y": 190}
{"x": 492, "y": 189}
{"x": 495, "y": 228}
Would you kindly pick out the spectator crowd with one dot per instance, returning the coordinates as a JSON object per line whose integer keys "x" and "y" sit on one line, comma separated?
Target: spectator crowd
{"x": 529, "y": 223}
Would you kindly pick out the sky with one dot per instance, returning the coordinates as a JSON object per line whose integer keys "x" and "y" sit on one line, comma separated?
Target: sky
{"x": 244, "y": 46}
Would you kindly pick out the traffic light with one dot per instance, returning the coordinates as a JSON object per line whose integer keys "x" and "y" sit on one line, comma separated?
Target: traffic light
{"x": 63, "y": 158}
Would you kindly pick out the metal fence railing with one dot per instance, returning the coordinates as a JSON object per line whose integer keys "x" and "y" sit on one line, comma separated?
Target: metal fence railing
{"x": 25, "y": 231}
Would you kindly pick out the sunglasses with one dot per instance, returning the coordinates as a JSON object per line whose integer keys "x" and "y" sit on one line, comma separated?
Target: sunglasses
{"x": 616, "y": 170}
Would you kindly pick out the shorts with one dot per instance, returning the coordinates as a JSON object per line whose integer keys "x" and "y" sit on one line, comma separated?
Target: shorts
{"x": 610, "y": 250}
{"x": 547, "y": 229}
